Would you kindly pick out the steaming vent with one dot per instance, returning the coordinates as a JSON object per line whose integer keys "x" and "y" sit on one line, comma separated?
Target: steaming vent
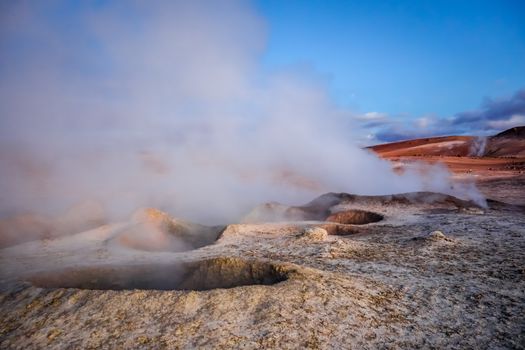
{"x": 355, "y": 217}
{"x": 223, "y": 272}
{"x": 154, "y": 230}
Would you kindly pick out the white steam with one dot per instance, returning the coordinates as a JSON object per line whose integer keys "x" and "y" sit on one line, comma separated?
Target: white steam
{"x": 478, "y": 146}
{"x": 167, "y": 105}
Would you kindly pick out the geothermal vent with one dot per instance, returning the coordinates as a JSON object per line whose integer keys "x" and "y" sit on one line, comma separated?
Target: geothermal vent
{"x": 224, "y": 272}
{"x": 355, "y": 217}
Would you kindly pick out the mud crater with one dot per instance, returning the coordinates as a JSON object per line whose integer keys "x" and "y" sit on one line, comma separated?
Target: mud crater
{"x": 355, "y": 217}
{"x": 335, "y": 229}
{"x": 224, "y": 272}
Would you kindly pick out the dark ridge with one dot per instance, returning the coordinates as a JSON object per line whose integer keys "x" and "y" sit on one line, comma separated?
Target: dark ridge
{"x": 326, "y": 201}
{"x": 498, "y": 205}
{"x": 515, "y": 132}
{"x": 322, "y": 207}
{"x": 319, "y": 208}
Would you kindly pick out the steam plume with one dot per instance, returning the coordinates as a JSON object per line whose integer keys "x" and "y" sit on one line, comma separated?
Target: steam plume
{"x": 167, "y": 105}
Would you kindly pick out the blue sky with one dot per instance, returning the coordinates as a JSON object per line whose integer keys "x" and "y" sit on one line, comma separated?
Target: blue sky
{"x": 402, "y": 68}
{"x": 404, "y": 59}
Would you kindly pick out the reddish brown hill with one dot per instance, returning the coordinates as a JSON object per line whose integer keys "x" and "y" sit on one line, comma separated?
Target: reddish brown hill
{"x": 432, "y": 146}
{"x": 516, "y": 132}
{"x": 493, "y": 155}
{"x": 509, "y": 143}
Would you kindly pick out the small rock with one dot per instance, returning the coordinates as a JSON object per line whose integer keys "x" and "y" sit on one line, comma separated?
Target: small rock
{"x": 437, "y": 235}
{"x": 471, "y": 210}
{"x": 315, "y": 233}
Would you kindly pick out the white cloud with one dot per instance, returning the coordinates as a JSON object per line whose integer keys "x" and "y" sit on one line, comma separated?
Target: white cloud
{"x": 372, "y": 116}
{"x": 424, "y": 122}
{"x": 514, "y": 120}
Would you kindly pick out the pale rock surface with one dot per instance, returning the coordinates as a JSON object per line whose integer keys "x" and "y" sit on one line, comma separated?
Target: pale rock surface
{"x": 270, "y": 285}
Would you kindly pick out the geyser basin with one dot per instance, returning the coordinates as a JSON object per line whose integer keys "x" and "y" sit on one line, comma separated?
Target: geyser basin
{"x": 223, "y": 272}
{"x": 355, "y": 217}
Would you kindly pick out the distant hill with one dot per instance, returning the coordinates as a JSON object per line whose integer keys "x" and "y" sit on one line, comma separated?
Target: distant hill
{"x": 509, "y": 143}
{"x": 516, "y": 132}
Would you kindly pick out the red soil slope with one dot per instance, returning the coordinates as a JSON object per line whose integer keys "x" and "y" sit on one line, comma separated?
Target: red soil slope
{"x": 502, "y": 154}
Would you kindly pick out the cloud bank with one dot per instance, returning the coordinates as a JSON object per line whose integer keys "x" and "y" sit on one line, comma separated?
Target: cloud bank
{"x": 165, "y": 104}
{"x": 493, "y": 116}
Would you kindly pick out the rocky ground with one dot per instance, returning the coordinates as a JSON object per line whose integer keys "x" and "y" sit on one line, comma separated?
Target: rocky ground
{"x": 393, "y": 283}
